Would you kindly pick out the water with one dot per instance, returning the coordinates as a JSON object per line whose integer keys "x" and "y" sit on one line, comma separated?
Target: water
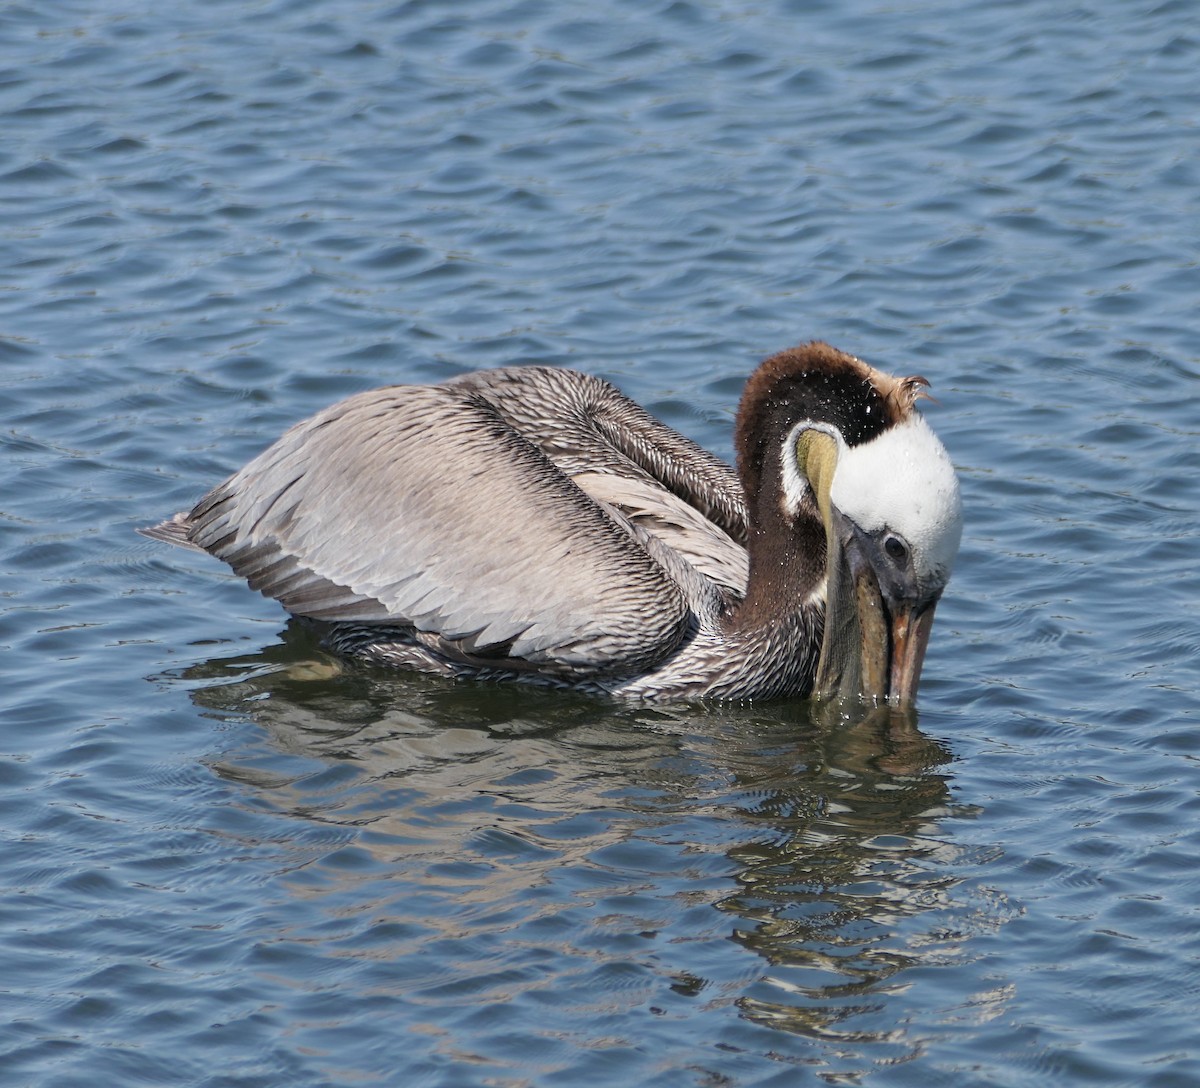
{"x": 227, "y": 863}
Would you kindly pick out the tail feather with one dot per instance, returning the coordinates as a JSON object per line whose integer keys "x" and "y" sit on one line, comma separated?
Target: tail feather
{"x": 174, "y": 531}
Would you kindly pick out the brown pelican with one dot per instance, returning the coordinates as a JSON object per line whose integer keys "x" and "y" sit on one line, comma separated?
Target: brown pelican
{"x": 531, "y": 523}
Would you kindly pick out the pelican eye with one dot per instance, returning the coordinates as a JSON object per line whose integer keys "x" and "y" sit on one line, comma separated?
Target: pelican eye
{"x": 896, "y": 548}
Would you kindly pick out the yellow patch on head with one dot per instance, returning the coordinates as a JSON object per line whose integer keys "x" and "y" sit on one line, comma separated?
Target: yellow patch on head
{"x": 817, "y": 456}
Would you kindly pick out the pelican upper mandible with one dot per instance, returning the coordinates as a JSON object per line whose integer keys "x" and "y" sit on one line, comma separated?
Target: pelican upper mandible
{"x": 534, "y": 524}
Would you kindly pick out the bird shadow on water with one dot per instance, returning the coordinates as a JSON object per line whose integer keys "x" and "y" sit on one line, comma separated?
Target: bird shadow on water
{"x": 823, "y": 820}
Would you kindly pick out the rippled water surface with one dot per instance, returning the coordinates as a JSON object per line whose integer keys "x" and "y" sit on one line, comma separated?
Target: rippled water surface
{"x": 228, "y": 862}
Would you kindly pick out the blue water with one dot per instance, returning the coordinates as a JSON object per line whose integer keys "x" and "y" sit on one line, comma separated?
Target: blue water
{"x": 228, "y": 862}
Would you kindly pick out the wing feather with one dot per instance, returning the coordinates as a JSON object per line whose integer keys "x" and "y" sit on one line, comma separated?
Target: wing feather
{"x": 706, "y": 548}
{"x": 526, "y": 517}
{"x": 422, "y": 506}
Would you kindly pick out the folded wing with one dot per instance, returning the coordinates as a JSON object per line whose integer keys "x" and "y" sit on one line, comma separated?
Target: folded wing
{"x": 452, "y": 510}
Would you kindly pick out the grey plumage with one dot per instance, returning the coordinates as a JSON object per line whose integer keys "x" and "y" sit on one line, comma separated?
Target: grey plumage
{"x": 523, "y": 523}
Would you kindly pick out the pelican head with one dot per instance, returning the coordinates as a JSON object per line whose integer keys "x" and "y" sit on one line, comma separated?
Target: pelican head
{"x": 888, "y": 499}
